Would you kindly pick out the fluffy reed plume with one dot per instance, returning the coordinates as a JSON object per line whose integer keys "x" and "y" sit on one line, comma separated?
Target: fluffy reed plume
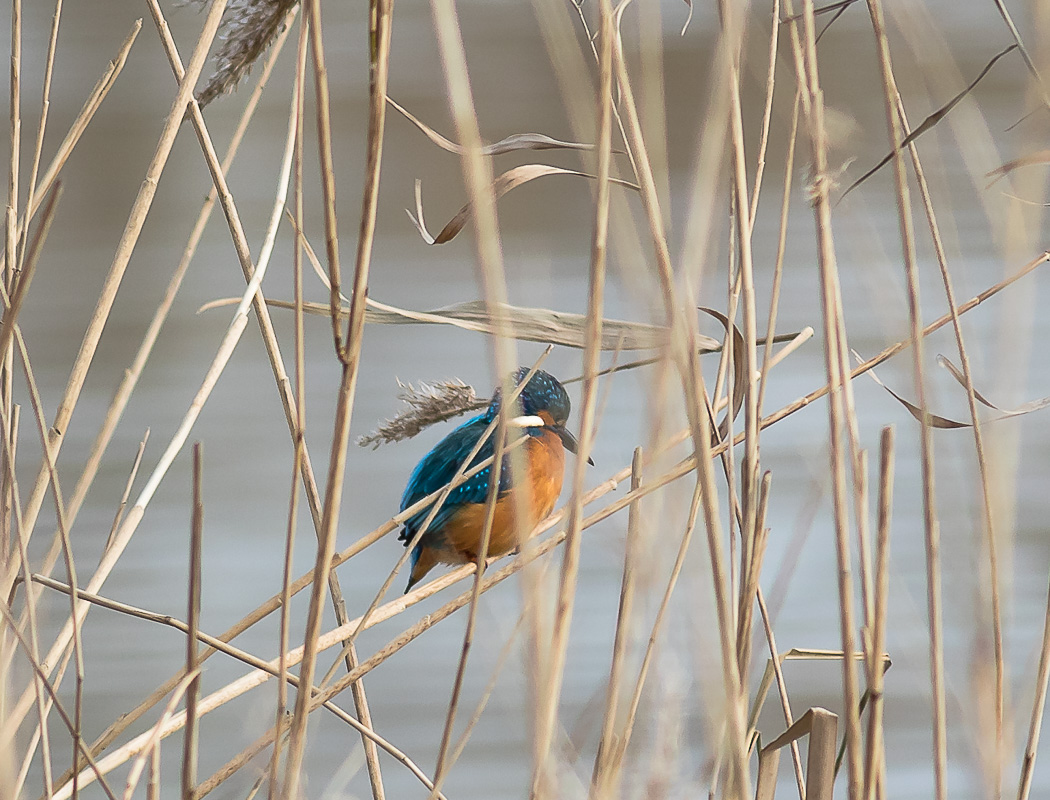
{"x": 428, "y": 403}
{"x": 248, "y": 29}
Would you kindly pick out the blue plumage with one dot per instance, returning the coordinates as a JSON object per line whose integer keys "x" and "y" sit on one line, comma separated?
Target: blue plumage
{"x": 441, "y": 464}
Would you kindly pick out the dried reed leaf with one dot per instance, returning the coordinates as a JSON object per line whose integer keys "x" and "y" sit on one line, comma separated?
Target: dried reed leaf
{"x": 511, "y": 179}
{"x": 517, "y": 141}
{"x": 943, "y": 422}
{"x": 428, "y": 403}
{"x": 527, "y": 324}
{"x": 932, "y": 120}
{"x": 739, "y": 370}
{"x": 248, "y": 29}
{"x": 1038, "y": 157}
{"x": 935, "y": 420}
{"x": 1027, "y": 408}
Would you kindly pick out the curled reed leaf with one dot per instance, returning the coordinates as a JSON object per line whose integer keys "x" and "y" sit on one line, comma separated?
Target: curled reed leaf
{"x": 248, "y": 28}
{"x": 428, "y": 403}
{"x": 517, "y": 141}
{"x": 937, "y": 421}
{"x": 511, "y": 179}
{"x": 932, "y": 120}
{"x": 1027, "y": 408}
{"x": 1032, "y": 159}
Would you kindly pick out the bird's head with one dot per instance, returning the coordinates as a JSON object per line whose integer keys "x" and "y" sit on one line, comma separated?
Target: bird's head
{"x": 543, "y": 400}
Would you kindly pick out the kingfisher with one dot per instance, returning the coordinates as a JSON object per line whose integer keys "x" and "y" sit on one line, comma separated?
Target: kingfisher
{"x": 454, "y": 535}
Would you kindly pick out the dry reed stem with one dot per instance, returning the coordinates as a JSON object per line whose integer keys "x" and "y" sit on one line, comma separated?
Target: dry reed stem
{"x": 605, "y": 776}
{"x": 732, "y": 42}
{"x": 300, "y": 395}
{"x": 9, "y": 443}
{"x": 45, "y": 104}
{"x": 153, "y": 779}
{"x": 324, "y": 144}
{"x": 11, "y": 216}
{"x": 840, "y": 405}
{"x": 380, "y": 25}
{"x": 191, "y": 742}
{"x": 778, "y": 263}
{"x": 1038, "y": 704}
{"x": 554, "y": 672}
{"x": 15, "y": 121}
{"x": 683, "y": 330}
{"x": 875, "y": 639}
{"x": 767, "y": 115}
{"x": 478, "y": 180}
{"x": 978, "y": 436}
{"x": 930, "y": 523}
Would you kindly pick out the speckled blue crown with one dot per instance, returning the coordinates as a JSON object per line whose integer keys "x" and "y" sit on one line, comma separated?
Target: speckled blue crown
{"x": 543, "y": 392}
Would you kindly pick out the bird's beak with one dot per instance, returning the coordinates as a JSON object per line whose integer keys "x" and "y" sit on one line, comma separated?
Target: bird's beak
{"x": 568, "y": 440}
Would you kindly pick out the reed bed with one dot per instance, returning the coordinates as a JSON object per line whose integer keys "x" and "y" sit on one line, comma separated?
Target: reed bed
{"x": 700, "y": 692}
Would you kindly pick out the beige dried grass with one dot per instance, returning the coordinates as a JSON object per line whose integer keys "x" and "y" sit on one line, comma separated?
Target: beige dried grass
{"x": 617, "y": 118}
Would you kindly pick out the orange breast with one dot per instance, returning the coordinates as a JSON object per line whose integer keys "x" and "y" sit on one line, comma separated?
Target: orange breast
{"x": 534, "y": 499}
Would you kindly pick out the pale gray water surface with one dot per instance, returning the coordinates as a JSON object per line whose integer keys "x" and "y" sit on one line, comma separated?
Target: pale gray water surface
{"x": 546, "y": 230}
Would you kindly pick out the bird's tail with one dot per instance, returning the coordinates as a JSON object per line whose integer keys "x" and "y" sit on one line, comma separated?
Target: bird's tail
{"x": 421, "y": 562}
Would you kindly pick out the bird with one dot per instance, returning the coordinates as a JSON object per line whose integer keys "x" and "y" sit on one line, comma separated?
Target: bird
{"x": 454, "y": 535}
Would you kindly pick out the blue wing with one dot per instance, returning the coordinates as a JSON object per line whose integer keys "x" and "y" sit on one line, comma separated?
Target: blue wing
{"x": 438, "y": 468}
